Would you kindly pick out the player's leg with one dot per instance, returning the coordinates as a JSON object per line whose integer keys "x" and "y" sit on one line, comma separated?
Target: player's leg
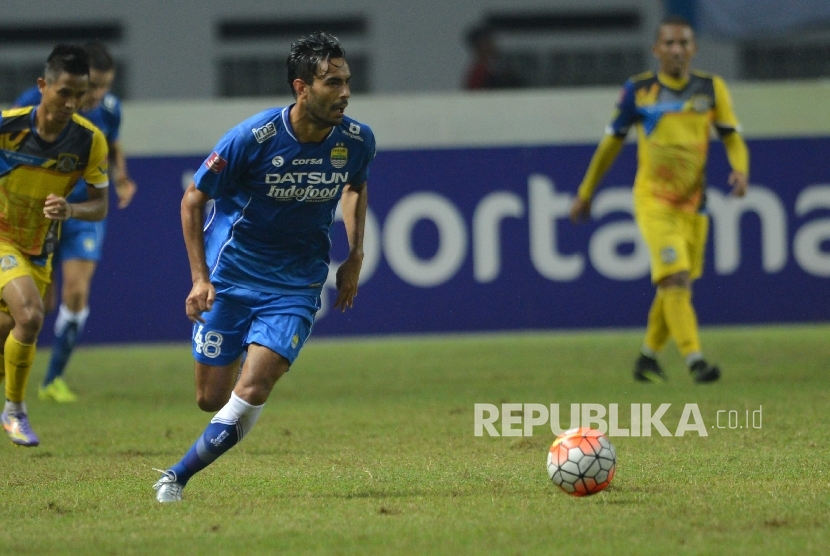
{"x": 22, "y": 298}
{"x": 260, "y": 372}
{"x": 274, "y": 341}
{"x": 69, "y": 325}
{"x": 646, "y": 368}
{"x": 6, "y": 325}
{"x": 696, "y": 237}
{"x": 50, "y": 298}
{"x": 680, "y": 314}
{"x": 652, "y": 226}
{"x": 679, "y": 258}
{"x": 214, "y": 384}
{"x": 80, "y": 251}
{"x": 217, "y": 345}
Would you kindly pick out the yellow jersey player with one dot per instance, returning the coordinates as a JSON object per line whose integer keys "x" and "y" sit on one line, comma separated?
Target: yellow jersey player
{"x": 673, "y": 112}
{"x": 44, "y": 151}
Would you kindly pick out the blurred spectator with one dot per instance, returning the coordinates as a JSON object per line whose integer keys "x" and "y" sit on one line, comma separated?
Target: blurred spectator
{"x": 488, "y": 70}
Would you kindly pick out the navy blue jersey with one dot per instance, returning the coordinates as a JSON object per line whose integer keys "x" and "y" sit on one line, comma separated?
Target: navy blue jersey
{"x": 106, "y": 117}
{"x": 275, "y": 198}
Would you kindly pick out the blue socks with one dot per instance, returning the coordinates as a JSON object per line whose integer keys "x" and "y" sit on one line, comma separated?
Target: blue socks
{"x": 68, "y": 328}
{"x": 225, "y": 430}
{"x": 217, "y": 439}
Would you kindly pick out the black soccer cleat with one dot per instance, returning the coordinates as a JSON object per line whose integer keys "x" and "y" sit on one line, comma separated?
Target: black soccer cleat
{"x": 704, "y": 372}
{"x": 647, "y": 369}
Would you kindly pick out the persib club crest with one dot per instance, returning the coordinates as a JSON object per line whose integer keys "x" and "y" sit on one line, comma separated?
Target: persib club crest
{"x": 8, "y": 262}
{"x": 339, "y": 156}
{"x": 66, "y": 163}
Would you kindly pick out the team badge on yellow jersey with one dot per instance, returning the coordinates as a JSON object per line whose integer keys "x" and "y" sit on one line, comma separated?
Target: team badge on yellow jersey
{"x": 8, "y": 262}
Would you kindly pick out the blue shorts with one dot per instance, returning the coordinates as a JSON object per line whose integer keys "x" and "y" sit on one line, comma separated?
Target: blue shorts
{"x": 239, "y": 317}
{"x": 81, "y": 240}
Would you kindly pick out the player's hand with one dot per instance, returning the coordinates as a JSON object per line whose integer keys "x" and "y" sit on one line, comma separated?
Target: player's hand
{"x": 199, "y": 300}
{"x": 56, "y": 208}
{"x": 347, "y": 278}
{"x": 580, "y": 210}
{"x": 739, "y": 183}
{"x": 125, "y": 189}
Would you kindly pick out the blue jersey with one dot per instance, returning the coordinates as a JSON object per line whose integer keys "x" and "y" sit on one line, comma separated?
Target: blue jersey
{"x": 275, "y": 200}
{"x": 106, "y": 117}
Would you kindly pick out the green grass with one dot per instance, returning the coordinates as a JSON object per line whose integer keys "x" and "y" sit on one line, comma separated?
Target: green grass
{"x": 368, "y": 447}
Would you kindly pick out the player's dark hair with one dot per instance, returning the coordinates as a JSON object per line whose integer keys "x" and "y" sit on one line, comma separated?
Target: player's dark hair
{"x": 673, "y": 20}
{"x": 66, "y": 58}
{"x": 99, "y": 57}
{"x": 306, "y": 55}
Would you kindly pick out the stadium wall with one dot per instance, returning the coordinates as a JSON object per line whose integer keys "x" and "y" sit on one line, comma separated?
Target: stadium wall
{"x": 468, "y": 228}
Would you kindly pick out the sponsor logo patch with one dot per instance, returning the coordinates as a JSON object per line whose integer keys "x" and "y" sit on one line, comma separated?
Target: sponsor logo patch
{"x": 264, "y": 132}
{"x": 277, "y": 161}
{"x": 219, "y": 438}
{"x": 668, "y": 255}
{"x": 215, "y": 163}
{"x": 339, "y": 156}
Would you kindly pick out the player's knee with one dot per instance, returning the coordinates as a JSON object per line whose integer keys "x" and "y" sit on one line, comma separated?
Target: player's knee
{"x": 30, "y": 320}
{"x": 211, "y": 401}
{"x": 257, "y": 389}
{"x": 75, "y": 299}
{"x": 677, "y": 280}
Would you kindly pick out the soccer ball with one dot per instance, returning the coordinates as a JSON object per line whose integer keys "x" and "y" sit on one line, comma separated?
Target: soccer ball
{"x": 582, "y": 461}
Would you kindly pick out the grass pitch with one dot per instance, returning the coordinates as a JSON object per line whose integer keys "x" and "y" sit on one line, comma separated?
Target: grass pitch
{"x": 368, "y": 447}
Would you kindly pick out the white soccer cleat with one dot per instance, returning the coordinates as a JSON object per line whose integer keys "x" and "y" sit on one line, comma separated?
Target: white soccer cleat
{"x": 167, "y": 489}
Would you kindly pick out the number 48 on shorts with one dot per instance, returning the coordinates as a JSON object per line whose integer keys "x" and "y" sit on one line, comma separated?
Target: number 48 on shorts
{"x": 207, "y": 343}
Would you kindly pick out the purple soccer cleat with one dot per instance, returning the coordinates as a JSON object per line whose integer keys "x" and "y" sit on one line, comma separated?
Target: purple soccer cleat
{"x": 19, "y": 430}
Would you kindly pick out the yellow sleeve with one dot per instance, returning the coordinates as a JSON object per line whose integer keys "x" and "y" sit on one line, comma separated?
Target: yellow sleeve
{"x": 96, "y": 172}
{"x": 736, "y": 152}
{"x": 725, "y": 118}
{"x": 603, "y": 158}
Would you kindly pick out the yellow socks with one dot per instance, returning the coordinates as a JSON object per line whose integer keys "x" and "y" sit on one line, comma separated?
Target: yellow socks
{"x": 18, "y": 359}
{"x": 681, "y": 319}
{"x": 657, "y": 331}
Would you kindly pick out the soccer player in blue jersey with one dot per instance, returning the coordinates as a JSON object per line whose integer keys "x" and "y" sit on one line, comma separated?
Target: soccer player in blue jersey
{"x": 260, "y": 259}
{"x": 81, "y": 242}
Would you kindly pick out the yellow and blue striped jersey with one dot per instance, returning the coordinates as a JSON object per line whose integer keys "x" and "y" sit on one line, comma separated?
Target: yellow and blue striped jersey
{"x": 674, "y": 121}
{"x": 31, "y": 169}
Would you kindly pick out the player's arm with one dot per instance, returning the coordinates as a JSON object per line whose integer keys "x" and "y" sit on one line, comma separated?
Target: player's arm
{"x": 605, "y": 155}
{"x": 202, "y": 293}
{"x": 726, "y": 123}
{"x": 125, "y": 187}
{"x": 607, "y": 151}
{"x": 91, "y": 210}
{"x": 353, "y": 203}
